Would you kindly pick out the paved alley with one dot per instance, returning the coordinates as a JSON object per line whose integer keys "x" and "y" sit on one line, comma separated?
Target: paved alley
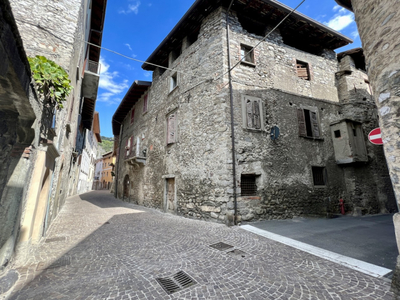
{"x": 102, "y": 248}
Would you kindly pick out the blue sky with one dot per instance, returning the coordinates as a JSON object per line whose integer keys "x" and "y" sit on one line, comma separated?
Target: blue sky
{"x": 135, "y": 28}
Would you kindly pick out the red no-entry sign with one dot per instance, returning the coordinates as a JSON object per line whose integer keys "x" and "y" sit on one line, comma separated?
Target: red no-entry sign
{"x": 375, "y": 136}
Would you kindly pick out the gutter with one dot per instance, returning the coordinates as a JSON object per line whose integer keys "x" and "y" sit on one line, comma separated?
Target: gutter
{"x": 232, "y": 116}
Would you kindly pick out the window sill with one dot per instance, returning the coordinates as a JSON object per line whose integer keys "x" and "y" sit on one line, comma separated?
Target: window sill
{"x": 254, "y": 130}
{"x": 173, "y": 90}
{"x": 312, "y": 138}
{"x": 247, "y": 63}
{"x": 319, "y": 186}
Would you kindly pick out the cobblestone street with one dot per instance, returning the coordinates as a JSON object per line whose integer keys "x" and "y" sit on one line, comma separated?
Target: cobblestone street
{"x": 102, "y": 248}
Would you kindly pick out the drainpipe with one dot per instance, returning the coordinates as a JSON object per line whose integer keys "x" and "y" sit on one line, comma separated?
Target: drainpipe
{"x": 232, "y": 116}
{"x": 117, "y": 162}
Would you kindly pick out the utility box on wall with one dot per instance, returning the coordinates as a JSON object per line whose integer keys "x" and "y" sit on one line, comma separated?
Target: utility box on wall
{"x": 348, "y": 142}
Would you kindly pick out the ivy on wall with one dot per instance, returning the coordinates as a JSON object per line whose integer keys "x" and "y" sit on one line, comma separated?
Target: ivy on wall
{"x": 52, "y": 80}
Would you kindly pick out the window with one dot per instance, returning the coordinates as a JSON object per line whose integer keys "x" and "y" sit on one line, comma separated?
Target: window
{"x": 303, "y": 70}
{"x": 132, "y": 116}
{"x": 246, "y": 54}
{"x": 128, "y": 147}
{"x": 319, "y": 175}
{"x": 171, "y": 128}
{"x": 173, "y": 82}
{"x": 337, "y": 134}
{"x": 252, "y": 113}
{"x": 248, "y": 185}
{"x": 145, "y": 103}
{"x": 308, "y": 123}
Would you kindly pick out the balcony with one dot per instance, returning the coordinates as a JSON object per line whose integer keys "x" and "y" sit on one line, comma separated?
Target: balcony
{"x": 90, "y": 83}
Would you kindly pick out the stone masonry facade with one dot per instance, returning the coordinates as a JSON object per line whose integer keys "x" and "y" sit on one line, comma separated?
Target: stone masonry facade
{"x": 175, "y": 152}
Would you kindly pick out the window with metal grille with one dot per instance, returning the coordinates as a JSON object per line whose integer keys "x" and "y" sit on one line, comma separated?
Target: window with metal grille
{"x": 248, "y": 185}
{"x": 319, "y": 175}
{"x": 303, "y": 70}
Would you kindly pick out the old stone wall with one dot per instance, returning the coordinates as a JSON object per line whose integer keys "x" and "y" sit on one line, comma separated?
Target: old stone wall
{"x": 16, "y": 119}
{"x": 56, "y": 31}
{"x": 199, "y": 162}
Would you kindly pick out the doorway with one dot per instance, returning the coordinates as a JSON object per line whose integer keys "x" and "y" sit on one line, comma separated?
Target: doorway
{"x": 170, "y": 203}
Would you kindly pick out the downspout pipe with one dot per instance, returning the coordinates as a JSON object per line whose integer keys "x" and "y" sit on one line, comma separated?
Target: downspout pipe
{"x": 117, "y": 162}
{"x": 232, "y": 115}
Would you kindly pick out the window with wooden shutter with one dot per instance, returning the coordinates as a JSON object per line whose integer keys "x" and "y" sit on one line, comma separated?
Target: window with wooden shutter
{"x": 127, "y": 147}
{"x": 133, "y": 146}
{"x": 303, "y": 70}
{"x": 308, "y": 123}
{"x": 171, "y": 129}
{"x": 253, "y": 113}
{"x": 132, "y": 116}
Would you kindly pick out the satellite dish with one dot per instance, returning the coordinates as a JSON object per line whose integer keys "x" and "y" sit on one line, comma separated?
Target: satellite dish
{"x": 274, "y": 133}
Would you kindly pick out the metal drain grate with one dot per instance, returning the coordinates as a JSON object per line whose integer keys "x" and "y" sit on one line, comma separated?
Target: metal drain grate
{"x": 178, "y": 282}
{"x": 221, "y": 246}
{"x": 61, "y": 262}
{"x": 237, "y": 252}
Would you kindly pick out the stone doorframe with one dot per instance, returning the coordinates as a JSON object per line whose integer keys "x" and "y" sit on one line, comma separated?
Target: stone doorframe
{"x": 165, "y": 194}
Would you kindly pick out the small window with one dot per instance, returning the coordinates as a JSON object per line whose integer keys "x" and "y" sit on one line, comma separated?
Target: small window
{"x": 145, "y": 104}
{"x": 171, "y": 129}
{"x": 252, "y": 113}
{"x": 319, "y": 175}
{"x": 337, "y": 133}
{"x": 246, "y": 54}
{"x": 132, "y": 116}
{"x": 303, "y": 70}
{"x": 248, "y": 185}
{"x": 173, "y": 82}
{"x": 308, "y": 123}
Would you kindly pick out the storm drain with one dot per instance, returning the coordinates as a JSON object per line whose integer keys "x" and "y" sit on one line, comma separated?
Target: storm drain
{"x": 61, "y": 262}
{"x": 177, "y": 282}
{"x": 221, "y": 246}
{"x": 237, "y": 252}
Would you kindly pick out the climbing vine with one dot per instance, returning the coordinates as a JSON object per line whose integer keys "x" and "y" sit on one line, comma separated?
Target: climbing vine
{"x": 52, "y": 80}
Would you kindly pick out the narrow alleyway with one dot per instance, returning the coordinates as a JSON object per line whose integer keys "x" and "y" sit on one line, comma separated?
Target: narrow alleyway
{"x": 102, "y": 248}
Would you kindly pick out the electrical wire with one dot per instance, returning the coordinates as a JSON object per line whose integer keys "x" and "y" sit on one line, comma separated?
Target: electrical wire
{"x": 144, "y": 62}
{"x": 187, "y": 73}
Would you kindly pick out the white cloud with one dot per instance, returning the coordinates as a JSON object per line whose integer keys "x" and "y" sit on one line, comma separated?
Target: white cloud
{"x": 340, "y": 22}
{"x": 110, "y": 83}
{"x": 341, "y": 19}
{"x": 355, "y": 34}
{"x": 129, "y": 46}
{"x": 131, "y": 8}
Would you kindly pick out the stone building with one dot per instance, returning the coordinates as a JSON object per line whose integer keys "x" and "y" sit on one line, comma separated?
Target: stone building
{"x": 378, "y": 23}
{"x": 59, "y": 31}
{"x": 283, "y": 134}
{"x": 17, "y": 97}
{"x": 88, "y": 157}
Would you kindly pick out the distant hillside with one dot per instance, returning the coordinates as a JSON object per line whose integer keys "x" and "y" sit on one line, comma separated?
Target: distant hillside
{"x": 106, "y": 145}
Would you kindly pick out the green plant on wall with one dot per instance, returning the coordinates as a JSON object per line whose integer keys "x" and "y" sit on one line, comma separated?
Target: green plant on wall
{"x": 52, "y": 80}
